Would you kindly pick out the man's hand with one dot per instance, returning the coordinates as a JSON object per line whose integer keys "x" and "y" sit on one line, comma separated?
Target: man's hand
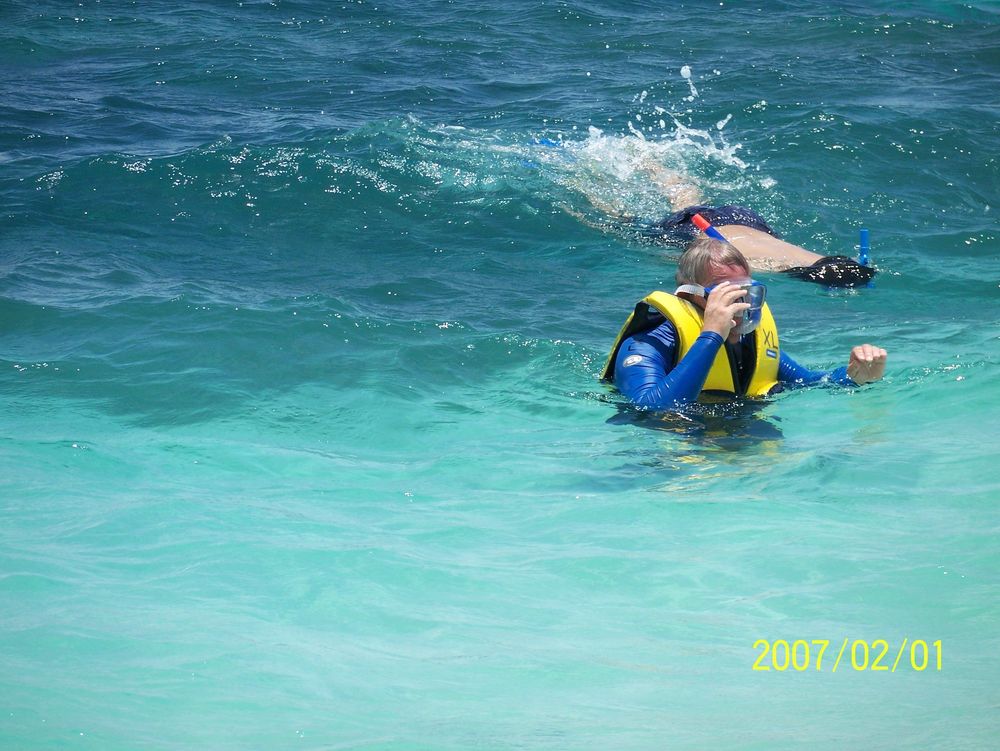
{"x": 867, "y": 364}
{"x": 725, "y": 304}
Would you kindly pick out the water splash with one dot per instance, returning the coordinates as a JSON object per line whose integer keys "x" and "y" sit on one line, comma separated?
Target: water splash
{"x": 665, "y": 158}
{"x": 686, "y": 75}
{"x": 660, "y": 161}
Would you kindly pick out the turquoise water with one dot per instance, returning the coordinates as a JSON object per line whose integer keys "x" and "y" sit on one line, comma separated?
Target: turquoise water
{"x": 302, "y": 441}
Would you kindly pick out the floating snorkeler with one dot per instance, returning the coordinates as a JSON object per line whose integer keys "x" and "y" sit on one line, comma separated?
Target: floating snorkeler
{"x": 744, "y": 228}
{"x": 715, "y": 334}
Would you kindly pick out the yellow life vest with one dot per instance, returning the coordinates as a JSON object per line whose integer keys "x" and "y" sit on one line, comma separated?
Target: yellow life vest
{"x": 651, "y": 311}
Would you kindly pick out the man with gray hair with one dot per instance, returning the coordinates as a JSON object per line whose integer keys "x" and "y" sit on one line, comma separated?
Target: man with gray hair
{"x": 715, "y": 334}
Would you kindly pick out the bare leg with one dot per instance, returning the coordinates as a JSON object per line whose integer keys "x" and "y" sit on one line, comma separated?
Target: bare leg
{"x": 764, "y": 252}
{"x": 680, "y": 192}
{"x": 610, "y": 211}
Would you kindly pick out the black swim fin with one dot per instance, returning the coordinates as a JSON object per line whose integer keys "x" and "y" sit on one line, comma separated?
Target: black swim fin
{"x": 834, "y": 271}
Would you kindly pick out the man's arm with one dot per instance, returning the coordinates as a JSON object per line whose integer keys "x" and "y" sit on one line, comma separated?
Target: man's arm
{"x": 866, "y": 364}
{"x": 791, "y": 373}
{"x": 645, "y": 371}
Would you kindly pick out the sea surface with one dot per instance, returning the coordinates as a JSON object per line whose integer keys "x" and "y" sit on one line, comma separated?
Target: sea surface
{"x": 303, "y": 308}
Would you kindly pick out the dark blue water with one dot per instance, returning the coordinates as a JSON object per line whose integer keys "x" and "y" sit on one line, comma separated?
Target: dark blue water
{"x": 302, "y": 313}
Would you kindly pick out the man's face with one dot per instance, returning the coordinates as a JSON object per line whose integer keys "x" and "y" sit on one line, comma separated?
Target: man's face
{"x": 733, "y": 275}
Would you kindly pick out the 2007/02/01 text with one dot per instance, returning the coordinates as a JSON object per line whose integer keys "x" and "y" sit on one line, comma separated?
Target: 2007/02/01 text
{"x": 801, "y": 655}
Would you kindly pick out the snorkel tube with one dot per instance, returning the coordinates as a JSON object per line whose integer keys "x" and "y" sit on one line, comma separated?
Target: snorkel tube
{"x": 865, "y": 253}
{"x": 702, "y": 223}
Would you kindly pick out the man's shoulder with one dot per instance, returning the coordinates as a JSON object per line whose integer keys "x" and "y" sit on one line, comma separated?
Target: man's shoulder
{"x": 661, "y": 339}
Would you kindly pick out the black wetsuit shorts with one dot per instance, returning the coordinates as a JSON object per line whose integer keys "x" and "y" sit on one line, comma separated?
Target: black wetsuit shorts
{"x": 678, "y": 229}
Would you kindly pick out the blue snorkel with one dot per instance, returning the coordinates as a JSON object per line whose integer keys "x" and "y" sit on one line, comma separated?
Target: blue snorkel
{"x": 865, "y": 253}
{"x": 701, "y": 223}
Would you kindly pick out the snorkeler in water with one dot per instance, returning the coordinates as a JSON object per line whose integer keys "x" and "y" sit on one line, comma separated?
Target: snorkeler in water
{"x": 760, "y": 245}
{"x": 744, "y": 228}
{"x": 715, "y": 334}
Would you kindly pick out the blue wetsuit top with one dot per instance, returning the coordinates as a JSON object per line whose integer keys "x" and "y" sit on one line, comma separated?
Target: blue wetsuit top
{"x": 651, "y": 379}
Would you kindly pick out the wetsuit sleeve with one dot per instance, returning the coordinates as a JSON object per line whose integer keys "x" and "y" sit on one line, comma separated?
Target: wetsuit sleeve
{"x": 646, "y": 374}
{"x": 793, "y": 374}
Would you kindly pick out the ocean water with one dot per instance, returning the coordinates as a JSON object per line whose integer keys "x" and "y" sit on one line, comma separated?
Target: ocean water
{"x": 303, "y": 445}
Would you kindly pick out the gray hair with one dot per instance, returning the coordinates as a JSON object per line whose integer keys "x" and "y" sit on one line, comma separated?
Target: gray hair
{"x": 695, "y": 264}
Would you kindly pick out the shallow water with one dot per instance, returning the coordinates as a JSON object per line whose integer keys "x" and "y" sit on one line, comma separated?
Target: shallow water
{"x": 303, "y": 443}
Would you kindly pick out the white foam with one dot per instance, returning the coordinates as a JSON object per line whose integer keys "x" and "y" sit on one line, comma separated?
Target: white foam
{"x": 632, "y": 173}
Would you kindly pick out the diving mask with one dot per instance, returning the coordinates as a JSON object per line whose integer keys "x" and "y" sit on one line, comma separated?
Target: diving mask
{"x": 756, "y": 293}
